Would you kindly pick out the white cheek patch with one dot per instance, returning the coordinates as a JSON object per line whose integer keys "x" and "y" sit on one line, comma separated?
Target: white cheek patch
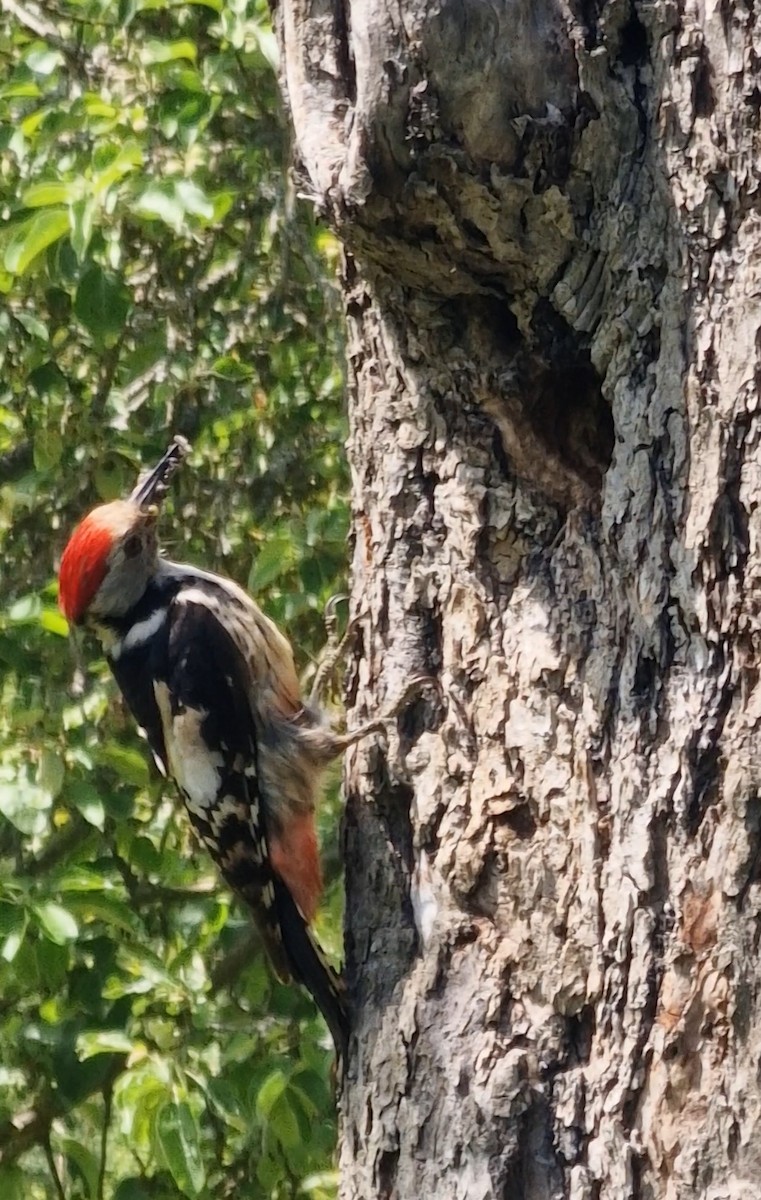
{"x": 194, "y": 767}
{"x": 141, "y": 631}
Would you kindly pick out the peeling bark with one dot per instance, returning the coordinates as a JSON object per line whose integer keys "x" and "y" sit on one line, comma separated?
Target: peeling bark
{"x": 553, "y": 298}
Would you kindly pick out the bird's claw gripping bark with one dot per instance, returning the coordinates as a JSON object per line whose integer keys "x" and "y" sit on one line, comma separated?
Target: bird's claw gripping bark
{"x": 415, "y": 686}
{"x": 334, "y": 651}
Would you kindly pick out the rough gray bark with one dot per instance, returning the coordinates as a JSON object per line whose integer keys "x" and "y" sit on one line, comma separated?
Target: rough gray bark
{"x": 553, "y": 295}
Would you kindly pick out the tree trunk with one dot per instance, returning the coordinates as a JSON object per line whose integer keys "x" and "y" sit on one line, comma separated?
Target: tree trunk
{"x": 553, "y": 295}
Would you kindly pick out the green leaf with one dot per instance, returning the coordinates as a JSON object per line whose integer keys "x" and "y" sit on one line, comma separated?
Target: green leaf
{"x": 134, "y": 1189}
{"x": 111, "y": 477}
{"x": 230, "y": 367}
{"x": 57, "y": 922}
{"x": 14, "y": 940}
{"x": 275, "y": 558}
{"x": 128, "y": 763}
{"x": 104, "y": 908}
{"x": 27, "y": 608}
{"x": 174, "y": 201}
{"x": 12, "y": 917}
{"x": 161, "y": 203}
{"x": 47, "y": 449}
{"x": 312, "y": 1090}
{"x": 102, "y": 303}
{"x": 33, "y": 325}
{"x": 269, "y": 1093}
{"x": 51, "y": 772}
{"x": 42, "y": 195}
{"x": 123, "y": 163}
{"x": 103, "y": 1041}
{"x": 178, "y": 1143}
{"x": 160, "y": 52}
{"x": 84, "y": 1162}
{"x": 284, "y": 1121}
{"x": 42, "y": 60}
{"x": 82, "y": 218}
{"x": 13, "y": 1183}
{"x": 54, "y": 622}
{"x": 88, "y": 802}
{"x": 25, "y": 805}
{"x": 33, "y": 236}
{"x": 222, "y": 202}
{"x": 193, "y": 199}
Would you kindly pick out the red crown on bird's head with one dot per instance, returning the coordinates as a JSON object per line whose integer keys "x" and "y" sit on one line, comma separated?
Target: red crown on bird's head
{"x": 85, "y": 560}
{"x": 84, "y": 564}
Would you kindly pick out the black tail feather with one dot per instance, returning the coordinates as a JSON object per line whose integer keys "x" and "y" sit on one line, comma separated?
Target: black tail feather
{"x": 310, "y": 966}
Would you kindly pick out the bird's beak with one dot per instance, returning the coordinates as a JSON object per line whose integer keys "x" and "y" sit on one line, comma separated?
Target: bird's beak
{"x": 153, "y": 488}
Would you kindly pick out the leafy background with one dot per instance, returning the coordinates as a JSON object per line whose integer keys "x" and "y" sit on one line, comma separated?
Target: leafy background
{"x": 156, "y": 275}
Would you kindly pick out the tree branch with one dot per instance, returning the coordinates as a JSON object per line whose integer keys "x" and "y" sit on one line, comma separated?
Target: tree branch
{"x": 53, "y": 1168}
{"x": 108, "y": 1093}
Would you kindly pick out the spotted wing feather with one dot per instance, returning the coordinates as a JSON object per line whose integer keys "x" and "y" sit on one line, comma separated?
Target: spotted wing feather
{"x": 211, "y": 752}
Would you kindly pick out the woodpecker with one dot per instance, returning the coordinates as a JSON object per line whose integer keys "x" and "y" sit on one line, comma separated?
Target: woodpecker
{"x": 212, "y": 682}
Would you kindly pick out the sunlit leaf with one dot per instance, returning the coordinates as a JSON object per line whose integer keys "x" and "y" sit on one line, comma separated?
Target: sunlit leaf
{"x": 27, "y": 608}
{"x": 42, "y": 60}
{"x": 57, "y": 922}
{"x": 54, "y": 621}
{"x": 42, "y": 195}
{"x": 193, "y": 199}
{"x": 25, "y": 805}
{"x": 122, "y": 163}
{"x": 33, "y": 236}
{"x": 103, "y": 1041}
{"x": 33, "y": 325}
{"x": 82, "y": 219}
{"x": 161, "y": 203}
{"x": 89, "y": 803}
{"x": 155, "y": 51}
{"x": 12, "y": 943}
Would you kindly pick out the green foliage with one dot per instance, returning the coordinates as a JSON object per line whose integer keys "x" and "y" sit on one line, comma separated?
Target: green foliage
{"x": 156, "y": 276}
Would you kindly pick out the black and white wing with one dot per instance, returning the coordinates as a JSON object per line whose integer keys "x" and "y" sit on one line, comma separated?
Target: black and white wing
{"x": 188, "y": 686}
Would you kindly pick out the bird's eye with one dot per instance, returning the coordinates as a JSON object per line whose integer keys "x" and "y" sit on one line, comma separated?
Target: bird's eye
{"x": 132, "y": 545}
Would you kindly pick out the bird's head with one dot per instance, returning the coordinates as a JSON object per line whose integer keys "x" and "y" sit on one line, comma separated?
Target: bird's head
{"x": 112, "y": 554}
